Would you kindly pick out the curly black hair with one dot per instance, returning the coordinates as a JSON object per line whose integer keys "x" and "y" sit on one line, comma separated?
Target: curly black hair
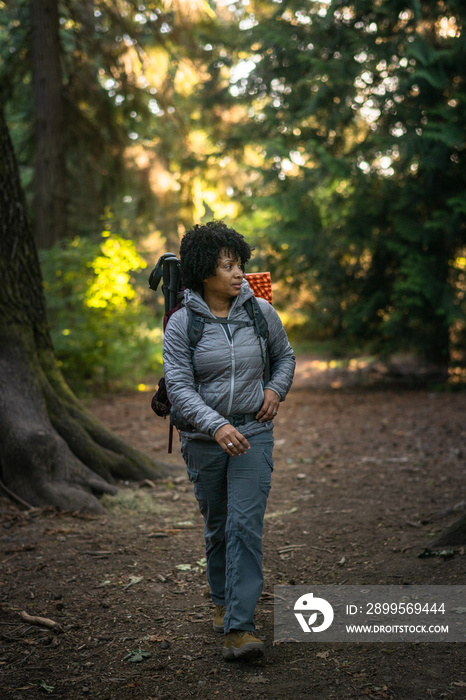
{"x": 200, "y": 250}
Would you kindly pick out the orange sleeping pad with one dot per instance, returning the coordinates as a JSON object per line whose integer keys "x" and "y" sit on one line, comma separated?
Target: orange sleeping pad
{"x": 261, "y": 284}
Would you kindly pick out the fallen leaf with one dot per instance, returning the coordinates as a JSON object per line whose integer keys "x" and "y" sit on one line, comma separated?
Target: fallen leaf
{"x": 137, "y": 655}
{"x": 42, "y": 685}
{"x": 258, "y": 679}
{"x": 444, "y": 553}
{"x": 157, "y": 638}
{"x": 107, "y": 582}
{"x": 279, "y": 513}
{"x": 132, "y": 581}
{"x": 149, "y": 483}
{"x": 323, "y": 654}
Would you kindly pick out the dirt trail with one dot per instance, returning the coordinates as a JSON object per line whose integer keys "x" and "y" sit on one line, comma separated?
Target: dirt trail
{"x": 363, "y": 479}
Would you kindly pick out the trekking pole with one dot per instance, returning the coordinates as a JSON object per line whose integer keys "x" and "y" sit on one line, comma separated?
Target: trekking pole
{"x": 171, "y": 278}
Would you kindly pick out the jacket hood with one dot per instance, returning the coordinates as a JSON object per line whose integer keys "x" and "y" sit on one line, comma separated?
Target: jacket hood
{"x": 194, "y": 301}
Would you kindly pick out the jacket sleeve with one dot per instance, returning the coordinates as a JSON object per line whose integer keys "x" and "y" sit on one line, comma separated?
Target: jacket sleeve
{"x": 180, "y": 381}
{"x": 282, "y": 359}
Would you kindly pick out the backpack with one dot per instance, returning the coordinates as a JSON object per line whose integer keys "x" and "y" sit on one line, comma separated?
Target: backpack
{"x": 167, "y": 271}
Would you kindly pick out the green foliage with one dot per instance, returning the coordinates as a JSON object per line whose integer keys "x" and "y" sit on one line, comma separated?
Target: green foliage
{"x": 102, "y": 333}
{"x": 359, "y": 109}
{"x": 343, "y": 142}
{"x": 127, "y": 69}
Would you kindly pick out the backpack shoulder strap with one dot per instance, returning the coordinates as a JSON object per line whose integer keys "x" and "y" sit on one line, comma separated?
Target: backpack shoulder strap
{"x": 262, "y": 330}
{"x": 256, "y": 315}
{"x": 196, "y": 324}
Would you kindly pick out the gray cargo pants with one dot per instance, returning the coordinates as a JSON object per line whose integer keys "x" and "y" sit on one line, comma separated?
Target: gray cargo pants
{"x": 232, "y": 496}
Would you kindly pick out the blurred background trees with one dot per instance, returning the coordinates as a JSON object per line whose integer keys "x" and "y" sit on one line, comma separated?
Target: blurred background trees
{"x": 357, "y": 116}
{"x": 332, "y": 134}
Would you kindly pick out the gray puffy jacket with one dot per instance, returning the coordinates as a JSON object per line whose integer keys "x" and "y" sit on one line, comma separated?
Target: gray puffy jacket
{"x": 223, "y": 377}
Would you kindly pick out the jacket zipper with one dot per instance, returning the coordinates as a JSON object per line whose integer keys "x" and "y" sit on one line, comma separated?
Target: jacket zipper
{"x": 233, "y": 360}
{"x": 233, "y": 367}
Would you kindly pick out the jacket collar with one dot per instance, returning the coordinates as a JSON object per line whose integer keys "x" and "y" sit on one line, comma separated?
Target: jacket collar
{"x": 194, "y": 301}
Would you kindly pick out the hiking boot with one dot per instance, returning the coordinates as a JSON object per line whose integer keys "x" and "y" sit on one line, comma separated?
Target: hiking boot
{"x": 241, "y": 644}
{"x": 218, "y": 619}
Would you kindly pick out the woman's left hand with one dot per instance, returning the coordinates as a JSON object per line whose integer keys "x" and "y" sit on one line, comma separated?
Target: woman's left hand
{"x": 269, "y": 408}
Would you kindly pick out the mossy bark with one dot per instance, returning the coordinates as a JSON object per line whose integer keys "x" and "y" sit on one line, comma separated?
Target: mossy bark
{"x": 52, "y": 450}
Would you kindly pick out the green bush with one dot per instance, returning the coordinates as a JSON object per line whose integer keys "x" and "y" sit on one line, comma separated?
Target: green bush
{"x": 103, "y": 334}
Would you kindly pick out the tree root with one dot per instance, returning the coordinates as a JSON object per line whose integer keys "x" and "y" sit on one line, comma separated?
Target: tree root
{"x": 454, "y": 536}
{"x": 52, "y": 450}
{"x": 95, "y": 445}
{"x": 14, "y": 497}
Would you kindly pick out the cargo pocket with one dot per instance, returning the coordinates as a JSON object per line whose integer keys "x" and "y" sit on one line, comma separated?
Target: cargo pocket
{"x": 193, "y": 475}
{"x": 193, "y": 472}
{"x": 266, "y": 473}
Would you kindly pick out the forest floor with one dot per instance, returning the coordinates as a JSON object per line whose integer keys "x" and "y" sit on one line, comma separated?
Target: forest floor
{"x": 366, "y": 474}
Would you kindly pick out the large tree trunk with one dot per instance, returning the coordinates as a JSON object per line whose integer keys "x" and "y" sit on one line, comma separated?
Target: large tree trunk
{"x": 52, "y": 451}
{"x": 49, "y": 166}
{"x": 454, "y": 536}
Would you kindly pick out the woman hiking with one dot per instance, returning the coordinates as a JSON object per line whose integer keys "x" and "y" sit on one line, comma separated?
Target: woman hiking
{"x": 218, "y": 388}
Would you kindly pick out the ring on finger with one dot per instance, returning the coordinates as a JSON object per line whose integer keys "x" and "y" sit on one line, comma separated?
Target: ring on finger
{"x": 275, "y": 413}
{"x": 229, "y": 444}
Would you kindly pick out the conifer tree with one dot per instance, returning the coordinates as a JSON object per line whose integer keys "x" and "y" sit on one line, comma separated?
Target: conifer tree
{"x": 52, "y": 450}
{"x": 358, "y": 111}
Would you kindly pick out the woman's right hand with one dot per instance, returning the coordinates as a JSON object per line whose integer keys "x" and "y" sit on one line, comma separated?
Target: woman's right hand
{"x": 231, "y": 440}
